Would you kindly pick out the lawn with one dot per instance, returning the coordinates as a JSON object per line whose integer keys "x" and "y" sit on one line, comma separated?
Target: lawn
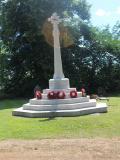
{"x": 89, "y": 126}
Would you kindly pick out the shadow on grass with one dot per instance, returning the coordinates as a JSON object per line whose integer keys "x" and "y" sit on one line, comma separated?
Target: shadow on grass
{"x": 47, "y": 119}
{"x": 12, "y": 104}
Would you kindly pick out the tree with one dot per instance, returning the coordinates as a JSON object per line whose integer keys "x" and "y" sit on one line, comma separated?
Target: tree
{"x": 23, "y": 27}
{"x": 116, "y": 30}
{"x": 91, "y": 56}
{"x": 103, "y": 60}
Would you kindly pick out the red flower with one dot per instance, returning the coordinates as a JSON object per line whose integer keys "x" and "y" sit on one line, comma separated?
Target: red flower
{"x": 60, "y": 95}
{"x": 73, "y": 94}
{"x": 38, "y": 95}
{"x": 51, "y": 95}
{"x": 83, "y": 92}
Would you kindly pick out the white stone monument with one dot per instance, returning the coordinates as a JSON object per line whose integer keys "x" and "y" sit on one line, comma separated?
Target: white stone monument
{"x": 67, "y": 105}
{"x": 58, "y": 81}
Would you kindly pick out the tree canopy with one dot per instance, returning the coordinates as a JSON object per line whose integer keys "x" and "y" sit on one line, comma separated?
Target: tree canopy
{"x": 91, "y": 56}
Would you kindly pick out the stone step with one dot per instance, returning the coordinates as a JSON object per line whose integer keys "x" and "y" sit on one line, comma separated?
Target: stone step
{"x": 100, "y": 108}
{"x": 46, "y": 91}
{"x": 28, "y": 106}
{"x": 58, "y": 101}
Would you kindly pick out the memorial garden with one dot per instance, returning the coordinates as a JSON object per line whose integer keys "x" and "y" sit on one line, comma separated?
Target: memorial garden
{"x": 59, "y": 82}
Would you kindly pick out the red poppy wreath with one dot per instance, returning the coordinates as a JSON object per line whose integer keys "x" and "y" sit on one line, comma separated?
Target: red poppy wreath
{"x": 51, "y": 95}
{"x": 60, "y": 95}
{"x": 38, "y": 95}
{"x": 73, "y": 94}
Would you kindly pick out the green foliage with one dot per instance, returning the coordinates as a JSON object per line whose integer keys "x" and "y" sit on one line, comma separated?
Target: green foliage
{"x": 4, "y": 58}
{"x": 23, "y": 24}
{"x": 103, "y": 60}
{"x": 116, "y": 30}
{"x": 91, "y": 56}
{"x": 94, "y": 60}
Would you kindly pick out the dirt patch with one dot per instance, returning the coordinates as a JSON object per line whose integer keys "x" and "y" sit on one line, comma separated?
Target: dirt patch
{"x": 61, "y": 149}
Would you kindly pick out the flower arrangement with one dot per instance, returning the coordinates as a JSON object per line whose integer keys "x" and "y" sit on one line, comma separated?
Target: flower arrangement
{"x": 56, "y": 95}
{"x": 38, "y": 95}
{"x": 83, "y": 92}
{"x": 73, "y": 94}
{"x": 60, "y": 95}
{"x": 51, "y": 95}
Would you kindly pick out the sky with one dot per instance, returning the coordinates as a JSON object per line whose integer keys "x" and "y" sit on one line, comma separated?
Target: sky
{"x": 104, "y": 12}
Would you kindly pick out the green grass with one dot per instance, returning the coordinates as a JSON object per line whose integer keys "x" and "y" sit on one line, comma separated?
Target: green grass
{"x": 103, "y": 125}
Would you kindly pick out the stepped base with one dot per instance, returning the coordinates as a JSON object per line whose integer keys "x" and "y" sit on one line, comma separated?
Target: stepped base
{"x": 60, "y": 102}
{"x": 54, "y": 107}
{"x": 99, "y": 108}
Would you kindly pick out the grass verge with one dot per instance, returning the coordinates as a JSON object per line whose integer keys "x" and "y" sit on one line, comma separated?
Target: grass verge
{"x": 89, "y": 126}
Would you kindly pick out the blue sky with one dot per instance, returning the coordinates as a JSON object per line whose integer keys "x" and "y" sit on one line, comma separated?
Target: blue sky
{"x": 104, "y": 12}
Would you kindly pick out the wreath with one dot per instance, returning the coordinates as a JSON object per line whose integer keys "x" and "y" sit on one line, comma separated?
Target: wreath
{"x": 83, "y": 92}
{"x": 51, "y": 95}
{"x": 38, "y": 95}
{"x": 60, "y": 95}
{"x": 73, "y": 94}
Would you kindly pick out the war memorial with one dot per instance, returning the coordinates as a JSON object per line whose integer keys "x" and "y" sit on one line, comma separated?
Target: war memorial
{"x": 60, "y": 100}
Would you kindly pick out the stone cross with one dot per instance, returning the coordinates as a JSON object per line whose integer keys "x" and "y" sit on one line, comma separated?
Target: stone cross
{"x": 58, "y": 69}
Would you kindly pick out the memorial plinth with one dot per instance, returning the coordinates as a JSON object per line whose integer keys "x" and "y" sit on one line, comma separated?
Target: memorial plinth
{"x": 67, "y": 106}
